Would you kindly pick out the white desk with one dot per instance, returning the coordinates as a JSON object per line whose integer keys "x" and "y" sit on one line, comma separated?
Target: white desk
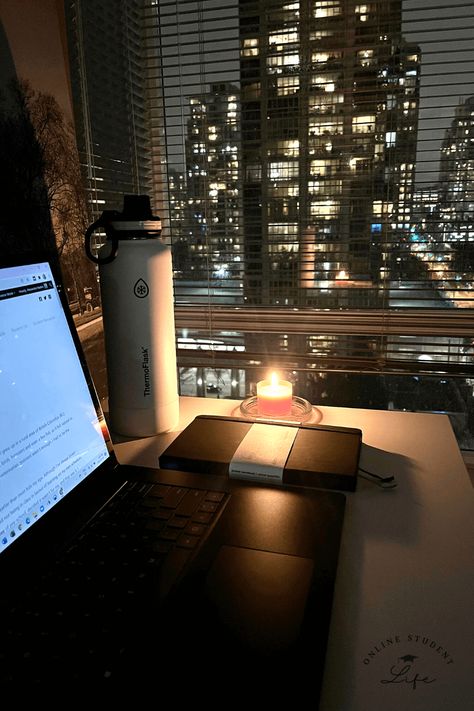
{"x": 405, "y": 583}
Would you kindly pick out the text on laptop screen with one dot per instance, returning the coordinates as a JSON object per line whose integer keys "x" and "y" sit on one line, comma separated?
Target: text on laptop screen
{"x": 50, "y": 434}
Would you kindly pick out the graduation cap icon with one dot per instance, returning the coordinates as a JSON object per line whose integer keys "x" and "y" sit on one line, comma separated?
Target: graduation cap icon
{"x": 408, "y": 658}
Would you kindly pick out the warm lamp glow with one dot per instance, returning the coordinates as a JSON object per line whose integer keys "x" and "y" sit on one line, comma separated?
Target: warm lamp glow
{"x": 274, "y": 397}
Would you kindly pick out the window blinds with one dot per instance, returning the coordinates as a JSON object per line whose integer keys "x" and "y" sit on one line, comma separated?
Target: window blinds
{"x": 320, "y": 198}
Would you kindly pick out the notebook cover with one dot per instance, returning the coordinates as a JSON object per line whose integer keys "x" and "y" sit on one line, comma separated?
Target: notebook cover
{"x": 322, "y": 456}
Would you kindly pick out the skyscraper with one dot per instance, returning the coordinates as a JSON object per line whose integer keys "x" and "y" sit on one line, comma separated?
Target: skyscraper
{"x": 456, "y": 178}
{"x": 112, "y": 95}
{"x": 329, "y": 93}
{"x": 213, "y": 183}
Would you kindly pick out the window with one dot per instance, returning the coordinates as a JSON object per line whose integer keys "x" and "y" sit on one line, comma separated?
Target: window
{"x": 287, "y": 85}
{"x": 315, "y": 183}
{"x": 365, "y": 57}
{"x": 283, "y": 60}
{"x": 249, "y": 47}
{"x": 289, "y": 36}
{"x": 327, "y": 8}
{"x": 363, "y": 124}
{"x": 318, "y": 127}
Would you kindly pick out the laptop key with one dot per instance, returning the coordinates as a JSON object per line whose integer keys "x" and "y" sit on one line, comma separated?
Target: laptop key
{"x": 173, "y": 497}
{"x": 162, "y": 514}
{"x": 190, "y": 502}
{"x": 169, "y": 535}
{"x": 209, "y": 506}
{"x": 159, "y": 491}
{"x": 186, "y": 541}
{"x": 178, "y": 523}
{"x": 195, "y": 529}
{"x": 216, "y": 496}
{"x": 202, "y": 517}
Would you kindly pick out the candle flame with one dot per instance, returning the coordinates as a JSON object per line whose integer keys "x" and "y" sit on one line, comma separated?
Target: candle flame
{"x": 274, "y": 379}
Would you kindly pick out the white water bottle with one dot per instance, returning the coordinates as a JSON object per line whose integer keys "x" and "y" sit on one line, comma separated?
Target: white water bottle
{"x": 136, "y": 284}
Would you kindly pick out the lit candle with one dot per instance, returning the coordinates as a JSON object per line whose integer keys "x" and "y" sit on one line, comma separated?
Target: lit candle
{"x": 274, "y": 397}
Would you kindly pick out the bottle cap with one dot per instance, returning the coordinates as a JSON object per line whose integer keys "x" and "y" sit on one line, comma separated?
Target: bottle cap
{"x": 136, "y": 218}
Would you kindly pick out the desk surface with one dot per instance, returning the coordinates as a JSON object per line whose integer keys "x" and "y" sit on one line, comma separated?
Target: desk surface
{"x": 402, "y": 630}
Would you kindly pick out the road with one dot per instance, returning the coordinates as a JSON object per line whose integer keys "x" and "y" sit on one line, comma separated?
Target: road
{"x": 413, "y": 294}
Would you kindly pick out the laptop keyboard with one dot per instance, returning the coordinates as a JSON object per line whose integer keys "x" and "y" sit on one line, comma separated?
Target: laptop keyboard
{"x": 85, "y": 615}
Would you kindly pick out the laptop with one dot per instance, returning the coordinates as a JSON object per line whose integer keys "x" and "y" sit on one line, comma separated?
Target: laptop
{"x": 111, "y": 572}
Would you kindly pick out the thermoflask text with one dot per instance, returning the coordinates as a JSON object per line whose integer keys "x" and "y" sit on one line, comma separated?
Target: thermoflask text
{"x": 136, "y": 284}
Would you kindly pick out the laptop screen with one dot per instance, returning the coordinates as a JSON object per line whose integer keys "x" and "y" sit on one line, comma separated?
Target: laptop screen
{"x": 51, "y": 436}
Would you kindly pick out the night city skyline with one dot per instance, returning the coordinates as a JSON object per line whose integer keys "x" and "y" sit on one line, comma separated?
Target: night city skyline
{"x": 337, "y": 204}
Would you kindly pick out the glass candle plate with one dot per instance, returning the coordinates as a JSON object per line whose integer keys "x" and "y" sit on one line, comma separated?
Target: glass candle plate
{"x": 301, "y": 411}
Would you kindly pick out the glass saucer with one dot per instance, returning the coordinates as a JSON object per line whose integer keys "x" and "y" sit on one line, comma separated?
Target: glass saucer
{"x": 301, "y": 411}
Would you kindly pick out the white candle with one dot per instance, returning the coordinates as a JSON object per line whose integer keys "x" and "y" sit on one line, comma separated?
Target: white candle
{"x": 274, "y": 397}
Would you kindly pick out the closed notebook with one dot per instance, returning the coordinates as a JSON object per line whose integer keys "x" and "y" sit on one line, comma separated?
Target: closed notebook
{"x": 320, "y": 456}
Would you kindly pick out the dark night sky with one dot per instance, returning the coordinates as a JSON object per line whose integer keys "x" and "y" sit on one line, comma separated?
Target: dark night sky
{"x": 34, "y": 38}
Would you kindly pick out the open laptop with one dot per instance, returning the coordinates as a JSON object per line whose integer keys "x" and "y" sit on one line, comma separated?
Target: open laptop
{"x": 108, "y": 570}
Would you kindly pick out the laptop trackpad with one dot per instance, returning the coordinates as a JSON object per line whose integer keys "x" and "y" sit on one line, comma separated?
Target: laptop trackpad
{"x": 259, "y": 597}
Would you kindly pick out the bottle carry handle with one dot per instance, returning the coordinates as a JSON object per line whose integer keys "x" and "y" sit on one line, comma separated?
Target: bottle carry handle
{"x": 101, "y": 222}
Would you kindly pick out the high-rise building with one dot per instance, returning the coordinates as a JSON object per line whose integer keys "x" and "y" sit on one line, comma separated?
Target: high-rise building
{"x": 456, "y": 178}
{"x": 329, "y": 95}
{"x": 177, "y": 216}
{"x": 213, "y": 180}
{"x": 110, "y": 47}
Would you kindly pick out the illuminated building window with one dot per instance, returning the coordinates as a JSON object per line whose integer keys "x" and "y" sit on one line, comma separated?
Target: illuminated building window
{"x": 320, "y": 128}
{"x": 365, "y": 57}
{"x": 282, "y": 60}
{"x": 324, "y": 57}
{"x": 326, "y": 82}
{"x": 327, "y": 8}
{"x": 282, "y": 170}
{"x": 321, "y": 167}
{"x": 325, "y": 104}
{"x": 288, "y": 148}
{"x": 324, "y": 209}
{"x": 250, "y": 47}
{"x": 320, "y": 34}
{"x": 363, "y": 124}
{"x": 289, "y": 36}
{"x": 319, "y": 57}
{"x": 287, "y": 85}
{"x": 325, "y": 187}
{"x": 283, "y": 191}
{"x": 379, "y": 208}
{"x": 362, "y": 12}
{"x": 286, "y": 228}
{"x": 390, "y": 138}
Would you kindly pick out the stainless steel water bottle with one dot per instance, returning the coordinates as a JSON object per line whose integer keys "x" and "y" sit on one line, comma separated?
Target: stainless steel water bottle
{"x": 136, "y": 285}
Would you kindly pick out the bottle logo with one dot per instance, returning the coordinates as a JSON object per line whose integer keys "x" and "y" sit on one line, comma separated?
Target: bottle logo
{"x": 141, "y": 289}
